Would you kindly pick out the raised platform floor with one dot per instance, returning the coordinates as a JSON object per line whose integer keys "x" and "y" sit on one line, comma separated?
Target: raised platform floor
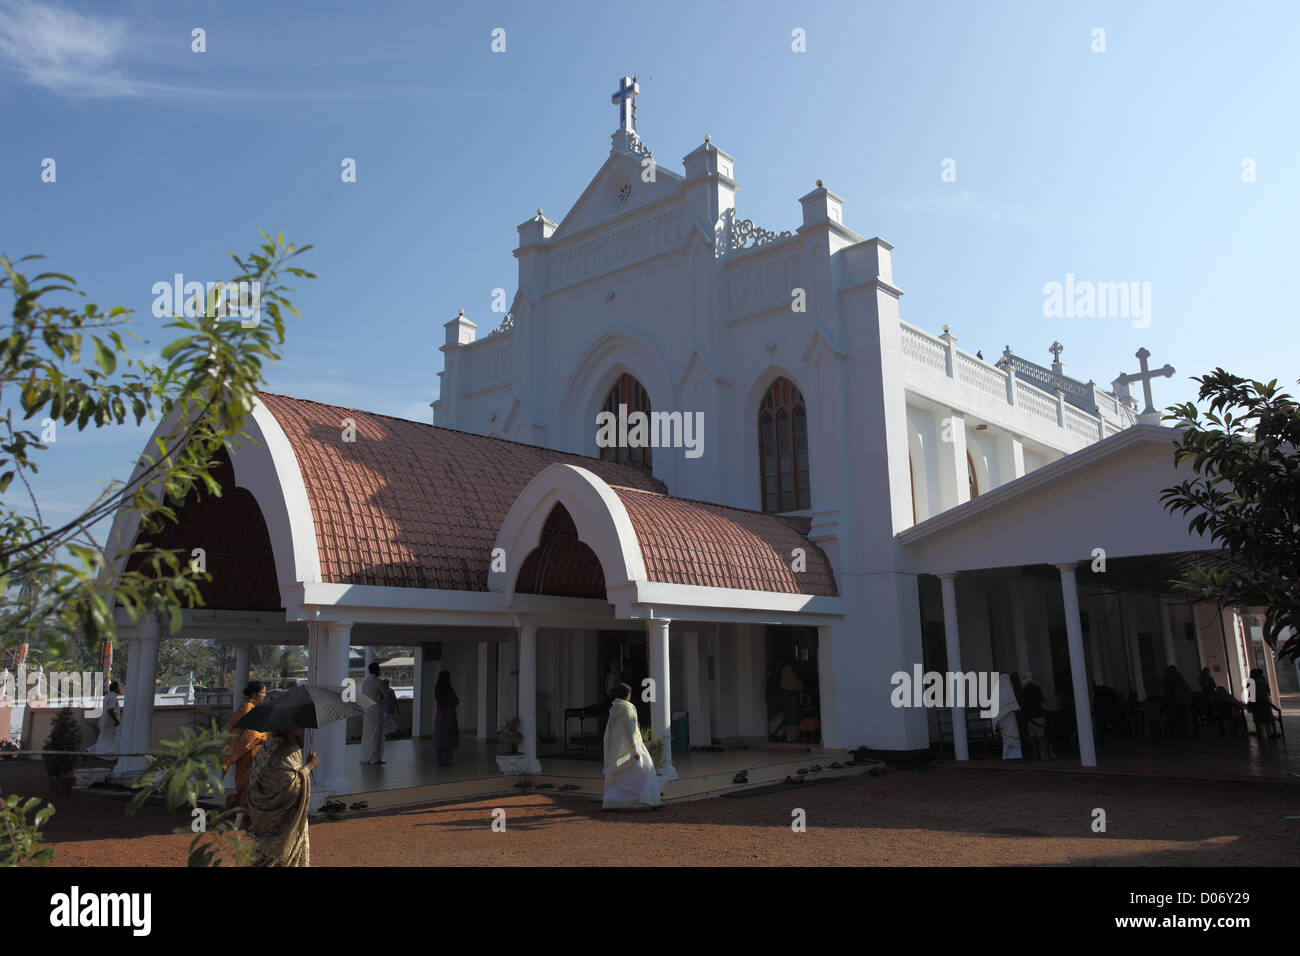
{"x": 410, "y": 774}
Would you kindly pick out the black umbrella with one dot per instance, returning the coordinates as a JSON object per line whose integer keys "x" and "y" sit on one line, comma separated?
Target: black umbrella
{"x": 304, "y": 706}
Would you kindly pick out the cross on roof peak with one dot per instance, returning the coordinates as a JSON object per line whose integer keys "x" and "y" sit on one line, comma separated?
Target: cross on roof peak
{"x": 625, "y": 99}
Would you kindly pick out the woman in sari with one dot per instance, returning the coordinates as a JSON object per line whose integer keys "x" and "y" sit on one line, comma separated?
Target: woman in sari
{"x": 242, "y": 745}
{"x": 446, "y": 729}
{"x": 278, "y": 796}
{"x": 630, "y": 779}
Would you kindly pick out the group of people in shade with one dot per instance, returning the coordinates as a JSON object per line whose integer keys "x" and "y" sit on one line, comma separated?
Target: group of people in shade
{"x": 1215, "y": 706}
{"x": 1022, "y": 713}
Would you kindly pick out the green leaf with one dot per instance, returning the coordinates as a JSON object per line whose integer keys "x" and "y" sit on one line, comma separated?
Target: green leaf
{"x": 104, "y": 356}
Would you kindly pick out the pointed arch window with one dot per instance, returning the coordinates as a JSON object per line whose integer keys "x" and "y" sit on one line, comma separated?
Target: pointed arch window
{"x": 970, "y": 477}
{"x": 783, "y": 448}
{"x": 628, "y": 391}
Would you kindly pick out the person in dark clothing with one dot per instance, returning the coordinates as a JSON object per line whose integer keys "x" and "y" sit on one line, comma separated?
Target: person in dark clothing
{"x": 446, "y": 729}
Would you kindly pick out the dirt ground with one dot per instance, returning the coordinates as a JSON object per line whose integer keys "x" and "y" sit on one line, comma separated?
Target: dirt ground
{"x": 944, "y": 817}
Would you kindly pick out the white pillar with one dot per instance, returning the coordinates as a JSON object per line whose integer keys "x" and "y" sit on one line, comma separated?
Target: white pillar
{"x": 1010, "y": 457}
{"x": 952, "y": 638}
{"x": 697, "y": 700}
{"x": 330, "y": 741}
{"x": 144, "y": 661}
{"x": 661, "y": 706}
{"x": 485, "y": 700}
{"x": 127, "y": 736}
{"x": 1167, "y": 633}
{"x": 528, "y": 695}
{"x": 1078, "y": 669}
{"x": 1131, "y": 644}
{"x": 241, "y": 671}
{"x": 1017, "y": 591}
{"x": 954, "y": 474}
{"x": 370, "y": 658}
{"x": 827, "y": 689}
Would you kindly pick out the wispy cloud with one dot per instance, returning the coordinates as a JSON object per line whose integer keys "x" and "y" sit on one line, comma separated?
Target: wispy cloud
{"x": 64, "y": 51}
{"x": 86, "y": 55}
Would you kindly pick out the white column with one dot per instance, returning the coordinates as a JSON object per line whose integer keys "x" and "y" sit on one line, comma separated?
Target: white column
{"x": 486, "y": 697}
{"x": 241, "y": 671}
{"x": 952, "y": 638}
{"x": 144, "y": 661}
{"x": 1129, "y": 636}
{"x": 827, "y": 689}
{"x": 127, "y": 736}
{"x": 330, "y": 741}
{"x": 697, "y": 700}
{"x": 1017, "y": 591}
{"x": 528, "y": 695}
{"x": 1167, "y": 633}
{"x": 661, "y": 706}
{"x": 1078, "y": 669}
{"x": 418, "y": 699}
{"x": 954, "y": 474}
{"x": 1010, "y": 457}
{"x": 370, "y": 658}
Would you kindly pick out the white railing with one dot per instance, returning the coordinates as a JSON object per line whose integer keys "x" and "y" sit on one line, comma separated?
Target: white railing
{"x": 988, "y": 379}
{"x": 939, "y": 353}
{"x": 923, "y": 348}
{"x": 1037, "y": 402}
{"x": 1081, "y": 424}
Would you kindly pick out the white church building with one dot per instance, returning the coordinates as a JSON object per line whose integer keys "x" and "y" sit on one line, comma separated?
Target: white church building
{"x": 697, "y": 449}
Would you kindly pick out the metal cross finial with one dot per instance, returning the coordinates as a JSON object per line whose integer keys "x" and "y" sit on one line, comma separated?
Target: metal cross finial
{"x": 1056, "y": 348}
{"x": 625, "y": 99}
{"x": 1145, "y": 378}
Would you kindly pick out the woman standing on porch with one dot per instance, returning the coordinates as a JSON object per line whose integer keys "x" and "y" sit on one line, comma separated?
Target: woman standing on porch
{"x": 446, "y": 729}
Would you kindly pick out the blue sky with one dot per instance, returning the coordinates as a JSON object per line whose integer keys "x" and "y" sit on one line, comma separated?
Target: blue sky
{"x": 1123, "y": 165}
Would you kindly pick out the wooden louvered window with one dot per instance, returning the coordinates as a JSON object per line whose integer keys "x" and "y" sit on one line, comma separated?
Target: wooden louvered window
{"x": 783, "y": 448}
{"x": 628, "y": 391}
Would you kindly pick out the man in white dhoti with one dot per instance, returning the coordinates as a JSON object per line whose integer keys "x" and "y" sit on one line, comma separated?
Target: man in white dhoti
{"x": 630, "y": 779}
{"x": 110, "y": 724}
{"x": 372, "y": 721}
{"x": 1006, "y": 720}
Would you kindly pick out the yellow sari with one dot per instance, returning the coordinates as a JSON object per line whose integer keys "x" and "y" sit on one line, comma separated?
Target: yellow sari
{"x": 241, "y": 747}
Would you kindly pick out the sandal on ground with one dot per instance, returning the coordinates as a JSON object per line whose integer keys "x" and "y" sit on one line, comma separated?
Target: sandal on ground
{"x": 837, "y": 766}
{"x": 742, "y": 777}
{"x": 359, "y": 805}
{"x": 569, "y": 786}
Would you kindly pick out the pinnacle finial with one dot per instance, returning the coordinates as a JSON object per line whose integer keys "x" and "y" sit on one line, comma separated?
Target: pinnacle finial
{"x": 707, "y": 137}
{"x": 820, "y": 185}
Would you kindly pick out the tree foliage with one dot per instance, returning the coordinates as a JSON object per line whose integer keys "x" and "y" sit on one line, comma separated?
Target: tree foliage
{"x": 67, "y": 365}
{"x": 1245, "y": 451}
{"x": 184, "y": 772}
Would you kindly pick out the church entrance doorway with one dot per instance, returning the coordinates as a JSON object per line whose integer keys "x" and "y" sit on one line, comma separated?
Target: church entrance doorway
{"x": 793, "y": 698}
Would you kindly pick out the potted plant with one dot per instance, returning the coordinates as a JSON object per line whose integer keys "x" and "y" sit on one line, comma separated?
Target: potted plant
{"x": 513, "y": 761}
{"x": 65, "y": 735}
{"x": 655, "y": 745}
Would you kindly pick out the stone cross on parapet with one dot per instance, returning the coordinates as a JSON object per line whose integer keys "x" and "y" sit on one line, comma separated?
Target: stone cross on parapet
{"x": 625, "y": 99}
{"x": 1149, "y": 414}
{"x": 1056, "y": 348}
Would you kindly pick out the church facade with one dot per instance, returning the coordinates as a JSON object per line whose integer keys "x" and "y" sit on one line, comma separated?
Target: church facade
{"x": 694, "y": 451}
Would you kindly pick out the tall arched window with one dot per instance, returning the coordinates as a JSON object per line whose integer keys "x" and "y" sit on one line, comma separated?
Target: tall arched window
{"x": 783, "y": 448}
{"x": 970, "y": 477}
{"x": 628, "y": 391}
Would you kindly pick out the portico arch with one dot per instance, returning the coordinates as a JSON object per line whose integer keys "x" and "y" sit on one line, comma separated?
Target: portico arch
{"x": 598, "y": 515}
